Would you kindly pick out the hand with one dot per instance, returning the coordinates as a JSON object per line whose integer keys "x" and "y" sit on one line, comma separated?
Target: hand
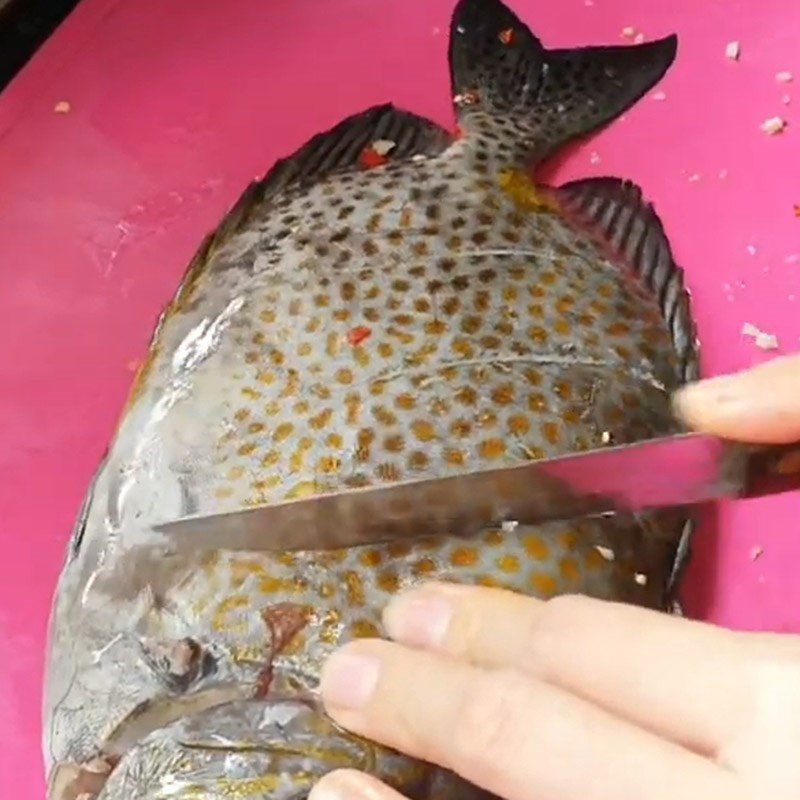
{"x": 576, "y": 699}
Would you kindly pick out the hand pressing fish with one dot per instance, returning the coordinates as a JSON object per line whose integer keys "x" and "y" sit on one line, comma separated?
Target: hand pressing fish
{"x": 392, "y": 301}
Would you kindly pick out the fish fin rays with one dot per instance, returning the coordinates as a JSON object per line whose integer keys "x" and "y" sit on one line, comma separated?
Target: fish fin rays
{"x": 683, "y": 557}
{"x": 340, "y": 149}
{"x": 617, "y": 216}
{"x": 331, "y": 152}
{"x": 615, "y": 213}
{"x": 500, "y": 71}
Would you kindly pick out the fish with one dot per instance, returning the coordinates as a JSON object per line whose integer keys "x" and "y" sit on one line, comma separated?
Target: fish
{"x": 392, "y": 300}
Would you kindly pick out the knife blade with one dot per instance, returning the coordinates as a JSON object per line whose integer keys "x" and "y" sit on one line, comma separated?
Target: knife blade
{"x": 668, "y": 472}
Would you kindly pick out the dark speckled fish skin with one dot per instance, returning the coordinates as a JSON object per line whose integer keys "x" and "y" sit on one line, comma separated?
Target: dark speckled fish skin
{"x": 353, "y": 322}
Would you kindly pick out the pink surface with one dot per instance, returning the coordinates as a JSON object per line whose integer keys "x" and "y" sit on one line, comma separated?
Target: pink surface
{"x": 176, "y": 106}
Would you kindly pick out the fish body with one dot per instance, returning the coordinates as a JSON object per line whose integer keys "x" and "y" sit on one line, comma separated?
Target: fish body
{"x": 392, "y": 301}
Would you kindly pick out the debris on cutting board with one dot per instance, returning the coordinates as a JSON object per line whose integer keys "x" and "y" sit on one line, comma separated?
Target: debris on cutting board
{"x": 773, "y": 126}
{"x": 797, "y": 210}
{"x": 62, "y": 107}
{"x": 594, "y": 157}
{"x": 694, "y": 177}
{"x": 723, "y": 173}
{"x": 659, "y": 96}
{"x": 763, "y": 340}
{"x": 756, "y": 553}
{"x": 628, "y": 32}
{"x": 733, "y": 50}
{"x": 784, "y": 77}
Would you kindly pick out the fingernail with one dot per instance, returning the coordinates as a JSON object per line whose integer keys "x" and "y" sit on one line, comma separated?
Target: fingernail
{"x": 328, "y": 788}
{"x": 348, "y": 679}
{"x": 419, "y": 618}
{"x": 691, "y": 400}
{"x": 343, "y": 784}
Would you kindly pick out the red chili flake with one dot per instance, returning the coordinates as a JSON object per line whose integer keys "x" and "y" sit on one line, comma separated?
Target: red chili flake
{"x": 358, "y": 335}
{"x": 797, "y": 210}
{"x": 370, "y": 158}
{"x": 507, "y": 36}
{"x": 458, "y": 133}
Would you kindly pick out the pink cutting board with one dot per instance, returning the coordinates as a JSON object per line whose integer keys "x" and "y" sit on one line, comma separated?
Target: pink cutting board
{"x": 175, "y": 106}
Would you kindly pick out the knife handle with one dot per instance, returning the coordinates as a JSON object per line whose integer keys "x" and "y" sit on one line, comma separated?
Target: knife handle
{"x": 772, "y": 470}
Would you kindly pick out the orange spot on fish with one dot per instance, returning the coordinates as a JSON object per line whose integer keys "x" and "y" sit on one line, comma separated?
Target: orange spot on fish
{"x": 358, "y": 334}
{"x": 508, "y": 563}
{"x": 464, "y": 557}
{"x": 370, "y": 558}
{"x": 594, "y": 561}
{"x": 455, "y": 457}
{"x": 365, "y": 629}
{"x": 388, "y": 581}
{"x": 569, "y": 569}
{"x": 423, "y": 430}
{"x": 568, "y": 540}
{"x": 355, "y": 588}
{"x": 535, "y": 547}
{"x": 492, "y": 448}
{"x": 545, "y": 585}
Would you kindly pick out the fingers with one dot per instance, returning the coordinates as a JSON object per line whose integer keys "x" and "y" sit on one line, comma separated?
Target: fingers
{"x": 512, "y": 735}
{"x": 683, "y": 680}
{"x": 759, "y": 406}
{"x": 349, "y": 784}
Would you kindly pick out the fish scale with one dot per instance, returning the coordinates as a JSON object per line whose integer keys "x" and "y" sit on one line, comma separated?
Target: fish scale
{"x": 351, "y": 323}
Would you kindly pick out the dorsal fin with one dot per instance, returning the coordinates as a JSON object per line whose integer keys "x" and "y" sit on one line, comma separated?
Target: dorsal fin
{"x": 340, "y": 149}
{"x": 511, "y": 91}
{"x": 616, "y": 214}
{"x": 335, "y": 151}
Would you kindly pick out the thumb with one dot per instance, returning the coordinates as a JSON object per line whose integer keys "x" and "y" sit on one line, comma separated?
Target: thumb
{"x": 758, "y": 406}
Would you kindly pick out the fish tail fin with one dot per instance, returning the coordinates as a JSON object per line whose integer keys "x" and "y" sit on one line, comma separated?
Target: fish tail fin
{"x": 525, "y": 101}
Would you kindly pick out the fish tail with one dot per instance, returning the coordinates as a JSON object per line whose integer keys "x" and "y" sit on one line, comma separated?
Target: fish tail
{"x": 525, "y": 101}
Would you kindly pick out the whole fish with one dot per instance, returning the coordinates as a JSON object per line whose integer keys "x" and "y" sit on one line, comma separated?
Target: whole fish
{"x": 391, "y": 301}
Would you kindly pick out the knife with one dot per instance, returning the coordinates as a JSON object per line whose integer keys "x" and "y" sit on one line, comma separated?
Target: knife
{"x": 670, "y": 472}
